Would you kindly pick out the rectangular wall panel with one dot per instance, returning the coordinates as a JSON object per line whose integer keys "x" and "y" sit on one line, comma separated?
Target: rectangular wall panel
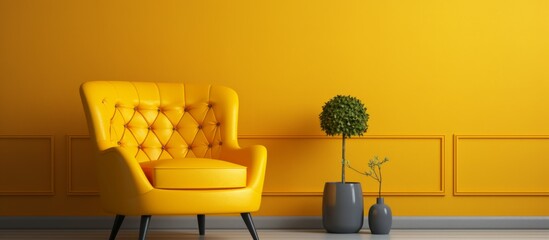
{"x": 501, "y": 165}
{"x": 300, "y": 165}
{"x": 27, "y": 165}
{"x": 82, "y": 179}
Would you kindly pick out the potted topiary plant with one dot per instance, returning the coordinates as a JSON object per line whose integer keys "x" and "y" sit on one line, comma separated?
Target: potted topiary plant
{"x": 342, "y": 203}
{"x": 380, "y": 217}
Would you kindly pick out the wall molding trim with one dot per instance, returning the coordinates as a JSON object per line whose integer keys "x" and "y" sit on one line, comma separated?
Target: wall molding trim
{"x": 71, "y": 186}
{"x": 50, "y": 191}
{"x": 438, "y": 192}
{"x": 456, "y": 146}
{"x": 442, "y": 160}
{"x": 269, "y": 222}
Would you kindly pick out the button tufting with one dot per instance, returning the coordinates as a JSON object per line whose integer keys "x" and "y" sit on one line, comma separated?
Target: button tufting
{"x": 199, "y": 126}
{"x": 218, "y": 124}
{"x": 140, "y": 147}
{"x": 174, "y": 128}
{"x": 210, "y": 105}
{"x": 220, "y": 143}
{"x": 210, "y": 145}
{"x": 190, "y": 147}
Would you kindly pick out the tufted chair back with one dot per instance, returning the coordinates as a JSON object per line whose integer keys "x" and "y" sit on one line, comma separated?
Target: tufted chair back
{"x": 155, "y": 121}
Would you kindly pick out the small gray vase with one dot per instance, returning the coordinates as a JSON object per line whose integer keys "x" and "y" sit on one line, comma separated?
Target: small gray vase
{"x": 380, "y": 218}
{"x": 342, "y": 207}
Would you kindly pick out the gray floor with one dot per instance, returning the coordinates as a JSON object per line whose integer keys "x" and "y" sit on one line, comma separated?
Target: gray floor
{"x": 275, "y": 234}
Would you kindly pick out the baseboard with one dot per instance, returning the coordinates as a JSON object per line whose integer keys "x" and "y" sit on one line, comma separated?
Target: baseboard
{"x": 283, "y": 222}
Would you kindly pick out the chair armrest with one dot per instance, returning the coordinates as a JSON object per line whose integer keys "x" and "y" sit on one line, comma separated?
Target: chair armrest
{"x": 120, "y": 174}
{"x": 254, "y": 158}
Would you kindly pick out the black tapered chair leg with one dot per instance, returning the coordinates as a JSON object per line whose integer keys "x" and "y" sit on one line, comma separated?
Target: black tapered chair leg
{"x": 145, "y": 219}
{"x": 247, "y": 217}
{"x": 201, "y": 224}
{"x": 116, "y": 226}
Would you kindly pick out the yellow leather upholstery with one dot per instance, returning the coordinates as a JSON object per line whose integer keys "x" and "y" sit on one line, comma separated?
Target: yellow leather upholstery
{"x": 194, "y": 173}
{"x": 165, "y": 132}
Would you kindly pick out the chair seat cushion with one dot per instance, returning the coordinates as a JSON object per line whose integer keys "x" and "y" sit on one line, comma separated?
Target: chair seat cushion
{"x": 194, "y": 173}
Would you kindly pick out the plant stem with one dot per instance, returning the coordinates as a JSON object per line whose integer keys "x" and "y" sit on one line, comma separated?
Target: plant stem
{"x": 343, "y": 160}
{"x": 380, "y": 180}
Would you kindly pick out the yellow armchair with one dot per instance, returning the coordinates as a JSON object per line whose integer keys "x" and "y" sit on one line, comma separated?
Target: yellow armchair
{"x": 171, "y": 149}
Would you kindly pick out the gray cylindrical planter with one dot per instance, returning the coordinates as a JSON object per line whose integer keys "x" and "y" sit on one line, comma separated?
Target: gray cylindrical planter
{"x": 380, "y": 218}
{"x": 342, "y": 207}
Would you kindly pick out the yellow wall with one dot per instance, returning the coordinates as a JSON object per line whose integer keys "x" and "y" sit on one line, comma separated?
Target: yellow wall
{"x": 457, "y": 92}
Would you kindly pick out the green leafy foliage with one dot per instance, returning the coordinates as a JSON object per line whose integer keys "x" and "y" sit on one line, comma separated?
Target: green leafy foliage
{"x": 344, "y": 115}
{"x": 374, "y": 171}
{"x": 375, "y": 168}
